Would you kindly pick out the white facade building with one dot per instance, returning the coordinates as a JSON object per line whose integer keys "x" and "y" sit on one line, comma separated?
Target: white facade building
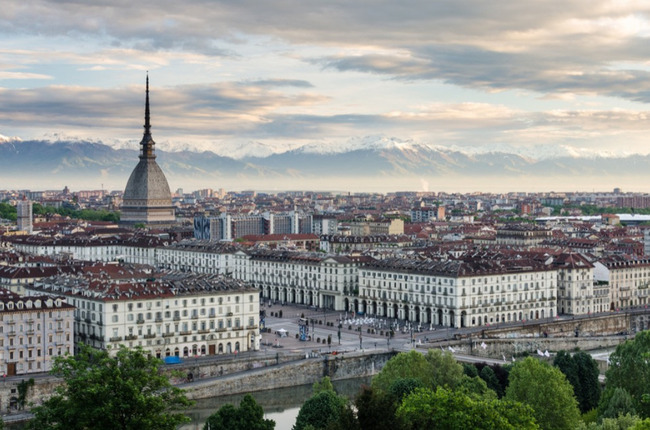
{"x": 33, "y": 330}
{"x": 298, "y": 277}
{"x": 457, "y": 293}
{"x": 178, "y": 314}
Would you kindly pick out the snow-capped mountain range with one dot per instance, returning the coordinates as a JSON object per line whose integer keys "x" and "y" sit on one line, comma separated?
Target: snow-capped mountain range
{"x": 373, "y": 158}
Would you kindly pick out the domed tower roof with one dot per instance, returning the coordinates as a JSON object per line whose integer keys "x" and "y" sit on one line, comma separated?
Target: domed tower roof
{"x": 147, "y": 198}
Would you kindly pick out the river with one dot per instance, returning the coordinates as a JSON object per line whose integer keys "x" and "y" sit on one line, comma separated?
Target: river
{"x": 281, "y": 405}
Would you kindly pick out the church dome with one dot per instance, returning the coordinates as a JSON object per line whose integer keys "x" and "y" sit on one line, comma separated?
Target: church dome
{"x": 147, "y": 198}
{"x": 148, "y": 182}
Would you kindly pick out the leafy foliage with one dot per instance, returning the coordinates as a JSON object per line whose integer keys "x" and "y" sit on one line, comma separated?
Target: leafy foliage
{"x": 23, "y": 387}
{"x": 126, "y": 391}
{"x": 434, "y": 369}
{"x": 547, "y": 391}
{"x": 402, "y": 387}
{"x": 621, "y": 422}
{"x": 490, "y": 378}
{"x": 448, "y": 409}
{"x": 325, "y": 384}
{"x": 411, "y": 365}
{"x": 86, "y": 214}
{"x": 617, "y": 402}
{"x": 581, "y": 370}
{"x": 8, "y": 212}
{"x": 629, "y": 368}
{"x": 320, "y": 411}
{"x": 376, "y": 409}
{"x": 249, "y": 416}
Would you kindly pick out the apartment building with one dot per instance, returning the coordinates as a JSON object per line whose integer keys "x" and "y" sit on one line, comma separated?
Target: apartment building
{"x": 299, "y": 277}
{"x": 575, "y": 286}
{"x": 172, "y": 314}
{"x": 197, "y": 257}
{"x": 457, "y": 293}
{"x": 628, "y": 279}
{"x": 33, "y": 330}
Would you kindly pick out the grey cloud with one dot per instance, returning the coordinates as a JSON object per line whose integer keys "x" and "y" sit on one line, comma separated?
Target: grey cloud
{"x": 473, "y": 68}
{"x": 298, "y": 83}
{"x": 465, "y": 43}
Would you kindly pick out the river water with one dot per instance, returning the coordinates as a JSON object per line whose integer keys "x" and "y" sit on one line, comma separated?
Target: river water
{"x": 281, "y": 405}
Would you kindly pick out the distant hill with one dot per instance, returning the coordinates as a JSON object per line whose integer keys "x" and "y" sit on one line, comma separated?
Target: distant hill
{"x": 93, "y": 163}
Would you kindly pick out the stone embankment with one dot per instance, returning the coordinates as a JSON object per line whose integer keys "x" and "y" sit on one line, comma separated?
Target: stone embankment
{"x": 306, "y": 371}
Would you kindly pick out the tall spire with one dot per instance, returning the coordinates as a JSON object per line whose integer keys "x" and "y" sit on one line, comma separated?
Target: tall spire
{"x": 147, "y": 143}
{"x": 147, "y": 124}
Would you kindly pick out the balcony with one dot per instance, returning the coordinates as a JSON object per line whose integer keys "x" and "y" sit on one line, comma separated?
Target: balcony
{"x": 177, "y": 318}
{"x": 204, "y": 331}
{"x": 159, "y": 320}
{"x": 130, "y": 337}
{"x": 186, "y": 332}
{"x": 139, "y": 321}
{"x": 167, "y": 334}
{"x": 116, "y": 339}
{"x": 150, "y": 336}
{"x": 195, "y": 317}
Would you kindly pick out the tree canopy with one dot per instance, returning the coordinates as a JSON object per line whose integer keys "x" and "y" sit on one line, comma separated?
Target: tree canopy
{"x": 451, "y": 409}
{"x": 8, "y": 212}
{"x": 581, "y": 370}
{"x": 126, "y": 391}
{"x": 320, "y": 411}
{"x": 547, "y": 391}
{"x": 434, "y": 369}
{"x": 249, "y": 416}
{"x": 629, "y": 368}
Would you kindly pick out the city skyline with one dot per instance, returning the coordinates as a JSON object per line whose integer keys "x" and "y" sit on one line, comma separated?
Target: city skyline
{"x": 540, "y": 80}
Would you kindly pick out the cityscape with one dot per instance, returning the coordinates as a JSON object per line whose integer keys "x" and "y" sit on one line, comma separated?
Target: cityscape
{"x": 374, "y": 216}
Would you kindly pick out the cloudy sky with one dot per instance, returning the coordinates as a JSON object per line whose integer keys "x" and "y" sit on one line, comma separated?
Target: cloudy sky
{"x": 535, "y": 77}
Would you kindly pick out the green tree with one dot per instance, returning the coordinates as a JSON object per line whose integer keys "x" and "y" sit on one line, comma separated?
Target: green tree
{"x": 490, "y": 378}
{"x": 449, "y": 409}
{"x": 376, "y": 410}
{"x": 470, "y": 370}
{"x": 546, "y": 390}
{"x": 581, "y": 370}
{"x": 402, "y": 387}
{"x": 621, "y": 422}
{"x": 100, "y": 391}
{"x": 629, "y": 368}
{"x": 8, "y": 212}
{"x": 444, "y": 368}
{"x": 249, "y": 416}
{"x": 410, "y": 364}
{"x": 325, "y": 384}
{"x": 588, "y": 374}
{"x": 320, "y": 411}
{"x": 617, "y": 402}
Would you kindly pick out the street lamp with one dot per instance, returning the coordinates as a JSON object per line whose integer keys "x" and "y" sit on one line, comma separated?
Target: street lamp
{"x": 360, "y": 339}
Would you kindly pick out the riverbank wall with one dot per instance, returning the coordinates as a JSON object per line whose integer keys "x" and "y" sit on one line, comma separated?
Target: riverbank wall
{"x": 305, "y": 371}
